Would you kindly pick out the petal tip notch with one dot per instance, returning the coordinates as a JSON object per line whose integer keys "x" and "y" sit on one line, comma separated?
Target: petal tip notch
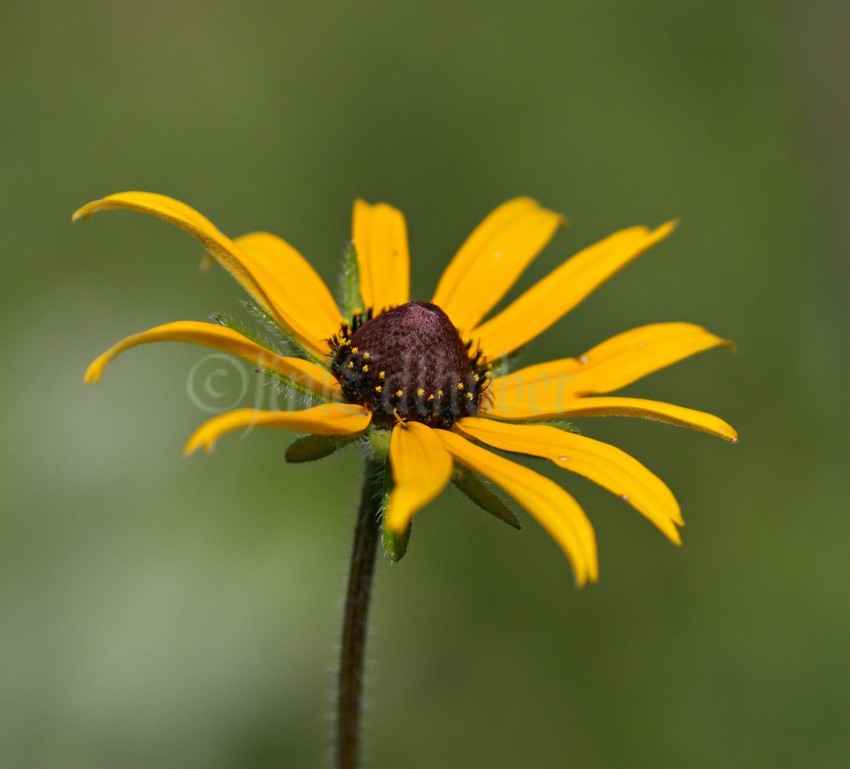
{"x": 198, "y": 440}
{"x": 92, "y": 376}
{"x": 95, "y": 370}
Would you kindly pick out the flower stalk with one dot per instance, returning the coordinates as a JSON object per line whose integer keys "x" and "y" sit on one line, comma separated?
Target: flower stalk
{"x": 355, "y": 621}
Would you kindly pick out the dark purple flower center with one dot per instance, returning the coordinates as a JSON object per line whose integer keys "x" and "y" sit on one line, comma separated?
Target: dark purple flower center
{"x": 409, "y": 363}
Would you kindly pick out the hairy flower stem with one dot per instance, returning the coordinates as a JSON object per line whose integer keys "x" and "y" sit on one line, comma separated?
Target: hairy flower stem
{"x": 355, "y": 623}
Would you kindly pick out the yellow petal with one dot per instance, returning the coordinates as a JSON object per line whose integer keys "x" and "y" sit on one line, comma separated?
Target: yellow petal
{"x": 553, "y": 508}
{"x": 601, "y": 463}
{"x": 610, "y": 406}
{"x": 421, "y": 469}
{"x": 379, "y": 233}
{"x": 302, "y": 372}
{"x": 547, "y": 301}
{"x": 251, "y": 275}
{"x": 298, "y": 286}
{"x": 492, "y": 258}
{"x": 619, "y": 361}
{"x": 327, "y": 419}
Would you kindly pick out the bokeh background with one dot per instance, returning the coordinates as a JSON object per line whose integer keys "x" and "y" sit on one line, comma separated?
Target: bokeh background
{"x": 157, "y": 611}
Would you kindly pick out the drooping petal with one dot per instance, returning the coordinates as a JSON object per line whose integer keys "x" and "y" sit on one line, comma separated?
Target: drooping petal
{"x": 421, "y": 469}
{"x": 492, "y": 258}
{"x": 251, "y": 275}
{"x": 547, "y": 502}
{"x": 601, "y": 463}
{"x": 379, "y": 233}
{"x": 327, "y": 419}
{"x": 615, "y": 363}
{"x": 301, "y": 372}
{"x": 298, "y": 286}
{"x": 608, "y": 406}
{"x": 547, "y": 301}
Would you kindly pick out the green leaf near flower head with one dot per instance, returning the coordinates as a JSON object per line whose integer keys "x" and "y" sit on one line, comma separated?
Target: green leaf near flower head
{"x": 379, "y": 442}
{"x": 558, "y": 424}
{"x": 351, "y": 297}
{"x": 228, "y": 321}
{"x": 313, "y": 447}
{"x": 395, "y": 545}
{"x": 475, "y": 488}
{"x": 283, "y": 342}
{"x": 504, "y": 365}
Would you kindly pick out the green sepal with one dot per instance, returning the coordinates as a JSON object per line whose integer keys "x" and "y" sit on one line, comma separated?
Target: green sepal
{"x": 558, "y": 424}
{"x": 228, "y": 321}
{"x": 475, "y": 488}
{"x": 290, "y": 385}
{"x": 351, "y": 297}
{"x": 503, "y": 366}
{"x": 284, "y": 342}
{"x": 309, "y": 448}
{"x": 395, "y": 545}
{"x": 378, "y": 442}
{"x": 275, "y": 348}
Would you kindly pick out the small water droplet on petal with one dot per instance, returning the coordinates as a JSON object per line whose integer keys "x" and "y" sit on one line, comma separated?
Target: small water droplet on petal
{"x": 584, "y": 359}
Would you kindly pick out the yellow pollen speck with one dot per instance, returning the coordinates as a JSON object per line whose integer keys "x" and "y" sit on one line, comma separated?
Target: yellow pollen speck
{"x": 366, "y": 356}
{"x": 440, "y": 393}
{"x": 477, "y": 378}
{"x": 469, "y": 396}
{"x": 460, "y": 385}
{"x": 399, "y": 393}
{"x": 365, "y": 369}
{"x": 381, "y": 374}
{"x": 420, "y": 392}
{"x": 378, "y": 389}
{"x": 355, "y": 349}
{"x": 430, "y": 397}
{"x": 351, "y": 364}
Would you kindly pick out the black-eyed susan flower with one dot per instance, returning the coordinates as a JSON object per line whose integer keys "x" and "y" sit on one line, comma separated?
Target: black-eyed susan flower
{"x": 425, "y": 381}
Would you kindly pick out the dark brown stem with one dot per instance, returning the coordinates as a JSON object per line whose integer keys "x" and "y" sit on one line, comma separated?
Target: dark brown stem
{"x": 355, "y": 623}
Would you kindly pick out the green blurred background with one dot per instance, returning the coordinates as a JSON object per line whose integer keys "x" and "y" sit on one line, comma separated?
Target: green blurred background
{"x": 157, "y": 611}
